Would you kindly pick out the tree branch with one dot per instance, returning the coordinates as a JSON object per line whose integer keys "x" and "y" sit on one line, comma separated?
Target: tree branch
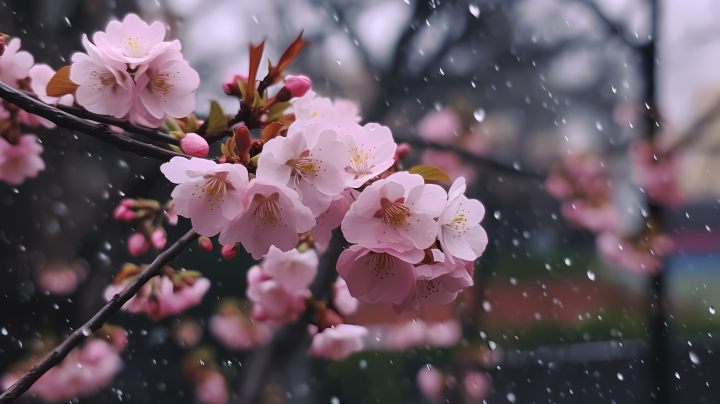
{"x": 59, "y": 353}
{"x": 291, "y": 336}
{"x": 470, "y": 156}
{"x": 98, "y": 131}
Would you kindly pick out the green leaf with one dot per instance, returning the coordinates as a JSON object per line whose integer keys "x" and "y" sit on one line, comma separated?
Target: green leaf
{"x": 192, "y": 124}
{"x": 224, "y": 150}
{"x": 175, "y": 148}
{"x": 430, "y": 173}
{"x": 217, "y": 122}
{"x": 243, "y": 88}
{"x": 171, "y": 125}
{"x": 277, "y": 110}
{"x": 259, "y": 102}
{"x": 178, "y": 134}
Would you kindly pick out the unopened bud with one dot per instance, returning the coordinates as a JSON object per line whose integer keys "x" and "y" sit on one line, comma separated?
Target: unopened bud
{"x": 401, "y": 151}
{"x": 295, "y": 86}
{"x": 158, "y": 238}
{"x": 194, "y": 145}
{"x": 205, "y": 243}
{"x": 137, "y": 244}
{"x": 231, "y": 87}
{"x": 229, "y": 251}
{"x": 128, "y": 203}
{"x": 123, "y": 213}
{"x": 2, "y": 45}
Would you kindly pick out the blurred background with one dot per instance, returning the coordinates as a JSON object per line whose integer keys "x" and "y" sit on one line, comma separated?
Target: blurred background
{"x": 509, "y": 87}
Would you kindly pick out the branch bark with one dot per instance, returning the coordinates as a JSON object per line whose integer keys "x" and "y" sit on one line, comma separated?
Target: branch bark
{"x": 59, "y": 353}
{"x": 294, "y": 335}
{"x": 98, "y": 131}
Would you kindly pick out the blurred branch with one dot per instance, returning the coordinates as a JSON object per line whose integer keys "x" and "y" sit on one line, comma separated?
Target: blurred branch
{"x": 294, "y": 335}
{"x": 467, "y": 155}
{"x": 98, "y": 131}
{"x": 59, "y": 353}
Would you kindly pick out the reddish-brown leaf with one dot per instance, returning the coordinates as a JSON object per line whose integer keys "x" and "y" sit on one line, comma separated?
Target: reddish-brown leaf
{"x": 288, "y": 56}
{"x": 255, "y": 58}
{"x": 60, "y": 83}
{"x": 271, "y": 131}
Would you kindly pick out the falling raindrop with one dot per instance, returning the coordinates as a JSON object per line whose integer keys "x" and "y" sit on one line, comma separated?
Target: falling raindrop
{"x": 598, "y": 125}
{"x": 712, "y": 310}
{"x": 497, "y": 214}
{"x": 67, "y": 21}
{"x": 479, "y": 114}
{"x": 513, "y": 281}
{"x": 620, "y": 376}
{"x": 568, "y": 262}
{"x": 338, "y": 60}
{"x": 86, "y": 332}
{"x": 511, "y": 397}
{"x": 3, "y": 331}
{"x": 694, "y": 358}
{"x": 334, "y": 400}
{"x": 486, "y": 306}
{"x": 707, "y": 227}
{"x": 591, "y": 275}
{"x": 429, "y": 366}
{"x": 677, "y": 375}
{"x": 475, "y": 10}
{"x": 442, "y": 72}
{"x": 492, "y": 345}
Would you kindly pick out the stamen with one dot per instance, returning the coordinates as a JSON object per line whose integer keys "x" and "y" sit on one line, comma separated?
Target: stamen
{"x": 459, "y": 225}
{"x": 382, "y": 264}
{"x": 394, "y": 213}
{"x": 268, "y": 210}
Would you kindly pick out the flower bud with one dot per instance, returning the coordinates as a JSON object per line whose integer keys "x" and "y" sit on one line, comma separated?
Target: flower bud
{"x": 158, "y": 238}
{"x": 137, "y": 244}
{"x": 229, "y": 251}
{"x": 231, "y": 87}
{"x": 122, "y": 212}
{"x": 401, "y": 151}
{"x": 2, "y": 45}
{"x": 128, "y": 203}
{"x": 194, "y": 145}
{"x": 205, "y": 243}
{"x": 295, "y": 86}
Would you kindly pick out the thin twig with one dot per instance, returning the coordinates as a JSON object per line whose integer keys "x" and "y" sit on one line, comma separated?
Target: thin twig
{"x": 59, "y": 353}
{"x": 98, "y": 131}
{"x": 291, "y": 336}
{"x": 467, "y": 155}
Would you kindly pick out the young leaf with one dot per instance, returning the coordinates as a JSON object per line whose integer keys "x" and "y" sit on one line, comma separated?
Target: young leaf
{"x": 171, "y": 125}
{"x": 60, "y": 83}
{"x": 191, "y": 125}
{"x": 271, "y": 131}
{"x": 175, "y": 148}
{"x": 430, "y": 173}
{"x": 288, "y": 56}
{"x": 217, "y": 122}
{"x": 255, "y": 57}
{"x": 276, "y": 111}
{"x": 243, "y": 88}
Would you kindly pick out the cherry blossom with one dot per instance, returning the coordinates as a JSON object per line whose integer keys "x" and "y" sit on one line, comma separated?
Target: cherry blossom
{"x": 40, "y": 76}
{"x": 194, "y": 145}
{"x": 133, "y": 41}
{"x": 460, "y": 233}
{"x": 211, "y": 388}
{"x": 476, "y": 384}
{"x": 634, "y": 257}
{"x": 295, "y": 86}
{"x": 137, "y": 244}
{"x": 14, "y": 64}
{"x": 310, "y": 160}
{"x": 273, "y": 215}
{"x": 272, "y": 301}
{"x": 62, "y": 279}
{"x": 380, "y": 274}
{"x": 21, "y": 160}
{"x": 209, "y": 193}
{"x": 372, "y": 151}
{"x": 597, "y": 216}
{"x": 338, "y": 342}
{"x": 105, "y": 87}
{"x": 236, "y": 330}
{"x": 310, "y": 106}
{"x": 343, "y": 300}
{"x": 292, "y": 269}
{"x": 399, "y": 211}
{"x": 430, "y": 382}
{"x": 440, "y": 126}
{"x": 331, "y": 219}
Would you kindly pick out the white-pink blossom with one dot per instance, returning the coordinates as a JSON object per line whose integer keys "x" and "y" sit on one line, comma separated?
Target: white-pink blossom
{"x": 292, "y": 269}
{"x": 399, "y": 211}
{"x": 310, "y": 160}
{"x": 14, "y": 64}
{"x": 343, "y": 300}
{"x": 271, "y": 300}
{"x": 371, "y": 151}
{"x": 272, "y": 215}
{"x": 338, "y": 342}
{"x": 340, "y": 111}
{"x": 237, "y": 332}
{"x": 21, "y": 160}
{"x": 40, "y": 76}
{"x": 330, "y": 219}
{"x": 460, "y": 233}
{"x": 209, "y": 194}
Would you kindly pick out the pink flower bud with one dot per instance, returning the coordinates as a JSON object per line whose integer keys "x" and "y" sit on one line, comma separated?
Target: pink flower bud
{"x": 137, "y": 244}
{"x": 230, "y": 86}
{"x": 401, "y": 151}
{"x": 2, "y": 45}
{"x": 128, "y": 203}
{"x": 121, "y": 212}
{"x": 295, "y": 86}
{"x": 194, "y": 145}
{"x": 158, "y": 238}
{"x": 205, "y": 243}
{"x": 229, "y": 251}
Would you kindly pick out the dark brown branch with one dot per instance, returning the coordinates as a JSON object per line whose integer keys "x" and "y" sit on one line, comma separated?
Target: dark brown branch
{"x": 150, "y": 133}
{"x": 294, "y": 335}
{"x": 467, "y": 155}
{"x": 59, "y": 353}
{"x": 98, "y": 131}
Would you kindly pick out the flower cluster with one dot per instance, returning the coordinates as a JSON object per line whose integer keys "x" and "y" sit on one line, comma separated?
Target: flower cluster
{"x": 236, "y": 329}
{"x": 147, "y": 216}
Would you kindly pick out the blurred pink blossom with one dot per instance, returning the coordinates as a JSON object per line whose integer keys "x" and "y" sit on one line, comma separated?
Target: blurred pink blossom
{"x": 62, "y": 279}
{"x": 430, "y": 382}
{"x": 656, "y": 174}
{"x": 338, "y": 342}
{"x": 137, "y": 244}
{"x": 211, "y": 388}
{"x": 624, "y": 254}
{"x": 21, "y": 160}
{"x": 158, "y": 238}
{"x": 344, "y": 302}
{"x": 14, "y": 64}
{"x": 340, "y": 111}
{"x": 239, "y": 332}
{"x": 450, "y": 163}
{"x": 597, "y": 217}
{"x": 476, "y": 384}
{"x": 440, "y": 126}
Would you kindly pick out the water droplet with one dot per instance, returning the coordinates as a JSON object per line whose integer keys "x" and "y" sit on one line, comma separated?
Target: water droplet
{"x": 492, "y": 345}
{"x": 486, "y": 306}
{"x": 516, "y": 166}
{"x": 620, "y": 376}
{"x": 516, "y": 242}
{"x": 86, "y": 332}
{"x": 338, "y": 60}
{"x": 429, "y": 366}
{"x": 598, "y": 125}
{"x": 336, "y": 400}
{"x": 694, "y": 358}
{"x": 497, "y": 214}
{"x": 591, "y": 275}
{"x": 479, "y": 114}
{"x": 475, "y": 10}
{"x": 707, "y": 227}
{"x": 363, "y": 364}
{"x": 67, "y": 21}
{"x": 55, "y": 306}
{"x": 513, "y": 281}
{"x": 677, "y": 375}
{"x": 202, "y": 363}
{"x": 712, "y": 310}
{"x": 614, "y": 90}
{"x": 3, "y": 331}
{"x": 511, "y": 397}
{"x": 442, "y": 72}
{"x": 568, "y": 262}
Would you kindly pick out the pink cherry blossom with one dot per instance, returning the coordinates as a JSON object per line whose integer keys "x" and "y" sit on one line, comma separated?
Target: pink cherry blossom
{"x": 460, "y": 233}
{"x": 310, "y": 160}
{"x": 40, "y": 76}
{"x": 194, "y": 145}
{"x": 331, "y": 219}
{"x": 380, "y": 274}
{"x": 133, "y": 42}
{"x": 399, "y": 211}
{"x": 440, "y": 126}
{"x": 105, "y": 87}
{"x": 632, "y": 257}
{"x": 239, "y": 332}
{"x": 293, "y": 269}
{"x": 338, "y": 342}
{"x": 21, "y": 160}
{"x": 137, "y": 244}
{"x": 476, "y": 385}
{"x": 272, "y": 301}
{"x": 159, "y": 298}
{"x": 656, "y": 173}
{"x": 211, "y": 388}
{"x": 450, "y": 163}
{"x": 598, "y": 217}
{"x": 167, "y": 87}
{"x": 437, "y": 284}
{"x": 209, "y": 193}
{"x": 310, "y": 106}
{"x": 558, "y": 186}
{"x": 14, "y": 64}
{"x": 273, "y": 215}
{"x": 62, "y": 279}
{"x": 444, "y": 334}
{"x": 158, "y": 238}
{"x": 372, "y": 151}
{"x": 186, "y": 333}
{"x": 343, "y": 300}
{"x": 295, "y": 86}
{"x": 430, "y": 382}
{"x": 230, "y": 85}
{"x": 229, "y": 251}
{"x": 419, "y": 332}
